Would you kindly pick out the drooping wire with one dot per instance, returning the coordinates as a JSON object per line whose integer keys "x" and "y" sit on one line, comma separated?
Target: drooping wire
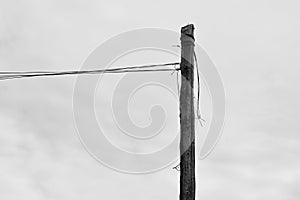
{"x": 198, "y": 112}
{"x": 144, "y": 68}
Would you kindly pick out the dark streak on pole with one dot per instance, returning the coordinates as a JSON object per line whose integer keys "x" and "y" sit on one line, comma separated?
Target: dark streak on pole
{"x": 187, "y": 117}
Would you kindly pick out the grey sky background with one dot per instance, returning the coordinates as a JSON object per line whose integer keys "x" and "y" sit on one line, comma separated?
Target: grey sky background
{"x": 255, "y": 46}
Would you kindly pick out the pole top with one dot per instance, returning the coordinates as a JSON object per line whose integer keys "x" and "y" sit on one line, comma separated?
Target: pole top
{"x": 188, "y": 30}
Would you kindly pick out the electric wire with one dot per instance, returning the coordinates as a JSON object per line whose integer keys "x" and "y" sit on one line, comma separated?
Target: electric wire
{"x": 6, "y": 75}
{"x": 198, "y": 112}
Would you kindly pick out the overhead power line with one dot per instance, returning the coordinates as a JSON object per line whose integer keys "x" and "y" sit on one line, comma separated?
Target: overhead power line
{"x": 6, "y": 75}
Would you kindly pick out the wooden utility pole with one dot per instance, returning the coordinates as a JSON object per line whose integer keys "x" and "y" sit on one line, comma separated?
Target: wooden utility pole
{"x": 187, "y": 117}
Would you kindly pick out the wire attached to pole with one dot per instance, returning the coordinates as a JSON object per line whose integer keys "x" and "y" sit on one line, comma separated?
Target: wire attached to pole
{"x": 143, "y": 68}
{"x": 198, "y": 112}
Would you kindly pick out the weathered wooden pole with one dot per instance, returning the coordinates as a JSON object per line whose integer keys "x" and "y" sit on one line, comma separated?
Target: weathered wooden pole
{"x": 187, "y": 117}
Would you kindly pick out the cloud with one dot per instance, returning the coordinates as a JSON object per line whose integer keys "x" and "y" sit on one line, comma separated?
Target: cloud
{"x": 255, "y": 46}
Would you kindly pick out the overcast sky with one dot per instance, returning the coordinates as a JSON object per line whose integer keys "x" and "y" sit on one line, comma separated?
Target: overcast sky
{"x": 253, "y": 43}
